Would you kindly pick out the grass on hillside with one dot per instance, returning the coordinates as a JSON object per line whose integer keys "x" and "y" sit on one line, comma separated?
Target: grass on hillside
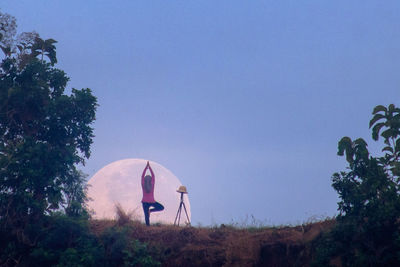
{"x": 223, "y": 245}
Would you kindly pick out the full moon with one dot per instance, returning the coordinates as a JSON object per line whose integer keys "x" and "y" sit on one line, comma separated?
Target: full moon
{"x": 120, "y": 183}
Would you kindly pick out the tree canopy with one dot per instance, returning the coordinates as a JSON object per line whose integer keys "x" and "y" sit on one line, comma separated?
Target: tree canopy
{"x": 368, "y": 229}
{"x": 44, "y": 132}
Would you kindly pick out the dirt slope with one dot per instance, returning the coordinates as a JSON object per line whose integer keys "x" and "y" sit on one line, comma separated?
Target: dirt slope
{"x": 225, "y": 245}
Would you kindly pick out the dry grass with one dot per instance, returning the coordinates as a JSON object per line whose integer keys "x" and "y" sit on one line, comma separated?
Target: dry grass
{"x": 122, "y": 217}
{"x": 222, "y": 245}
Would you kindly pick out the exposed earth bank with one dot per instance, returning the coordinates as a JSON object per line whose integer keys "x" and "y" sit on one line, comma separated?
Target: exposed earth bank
{"x": 225, "y": 245}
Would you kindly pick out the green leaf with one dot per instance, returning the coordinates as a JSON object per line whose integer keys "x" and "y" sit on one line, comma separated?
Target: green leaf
{"x": 344, "y": 144}
{"x": 361, "y": 150}
{"x": 387, "y": 133}
{"x": 50, "y": 41}
{"x": 391, "y": 108}
{"x": 361, "y": 143}
{"x": 396, "y": 118}
{"x": 396, "y": 169}
{"x": 379, "y": 108}
{"x": 375, "y": 119}
{"x": 397, "y": 146}
{"x": 387, "y": 148}
{"x": 376, "y": 129}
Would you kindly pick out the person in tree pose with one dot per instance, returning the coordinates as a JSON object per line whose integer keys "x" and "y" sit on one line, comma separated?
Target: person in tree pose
{"x": 148, "y": 201}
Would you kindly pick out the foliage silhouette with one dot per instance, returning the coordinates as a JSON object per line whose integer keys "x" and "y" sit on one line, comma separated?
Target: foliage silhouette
{"x": 367, "y": 233}
{"x": 44, "y": 134}
{"x": 122, "y": 250}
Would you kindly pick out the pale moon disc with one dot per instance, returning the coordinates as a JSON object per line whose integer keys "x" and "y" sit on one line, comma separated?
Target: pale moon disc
{"x": 120, "y": 183}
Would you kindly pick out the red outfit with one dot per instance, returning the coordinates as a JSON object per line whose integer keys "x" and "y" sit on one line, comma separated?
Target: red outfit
{"x": 148, "y": 197}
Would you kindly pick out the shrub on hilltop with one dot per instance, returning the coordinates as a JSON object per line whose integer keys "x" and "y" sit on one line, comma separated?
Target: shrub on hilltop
{"x": 367, "y": 232}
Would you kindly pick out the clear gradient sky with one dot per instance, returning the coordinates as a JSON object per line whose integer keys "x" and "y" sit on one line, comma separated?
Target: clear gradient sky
{"x": 244, "y": 101}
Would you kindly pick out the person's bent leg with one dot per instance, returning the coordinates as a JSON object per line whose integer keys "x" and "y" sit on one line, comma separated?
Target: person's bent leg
{"x": 156, "y": 206}
{"x": 146, "y": 211}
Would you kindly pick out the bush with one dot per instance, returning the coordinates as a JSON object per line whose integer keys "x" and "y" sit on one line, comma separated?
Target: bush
{"x": 368, "y": 228}
{"x": 121, "y": 250}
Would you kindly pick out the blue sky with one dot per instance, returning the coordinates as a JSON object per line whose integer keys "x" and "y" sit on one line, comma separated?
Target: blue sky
{"x": 244, "y": 101}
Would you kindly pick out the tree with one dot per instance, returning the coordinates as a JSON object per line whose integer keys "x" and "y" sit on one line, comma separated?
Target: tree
{"x": 45, "y": 47}
{"x": 367, "y": 232}
{"x": 44, "y": 134}
{"x": 8, "y": 29}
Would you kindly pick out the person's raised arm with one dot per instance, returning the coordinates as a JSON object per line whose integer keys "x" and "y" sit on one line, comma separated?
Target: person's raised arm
{"x": 144, "y": 171}
{"x": 152, "y": 174}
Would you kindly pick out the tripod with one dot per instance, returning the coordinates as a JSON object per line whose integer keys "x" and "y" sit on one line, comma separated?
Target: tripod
{"x": 178, "y": 214}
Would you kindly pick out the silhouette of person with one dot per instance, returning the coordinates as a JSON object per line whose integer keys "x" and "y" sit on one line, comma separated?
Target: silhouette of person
{"x": 148, "y": 201}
